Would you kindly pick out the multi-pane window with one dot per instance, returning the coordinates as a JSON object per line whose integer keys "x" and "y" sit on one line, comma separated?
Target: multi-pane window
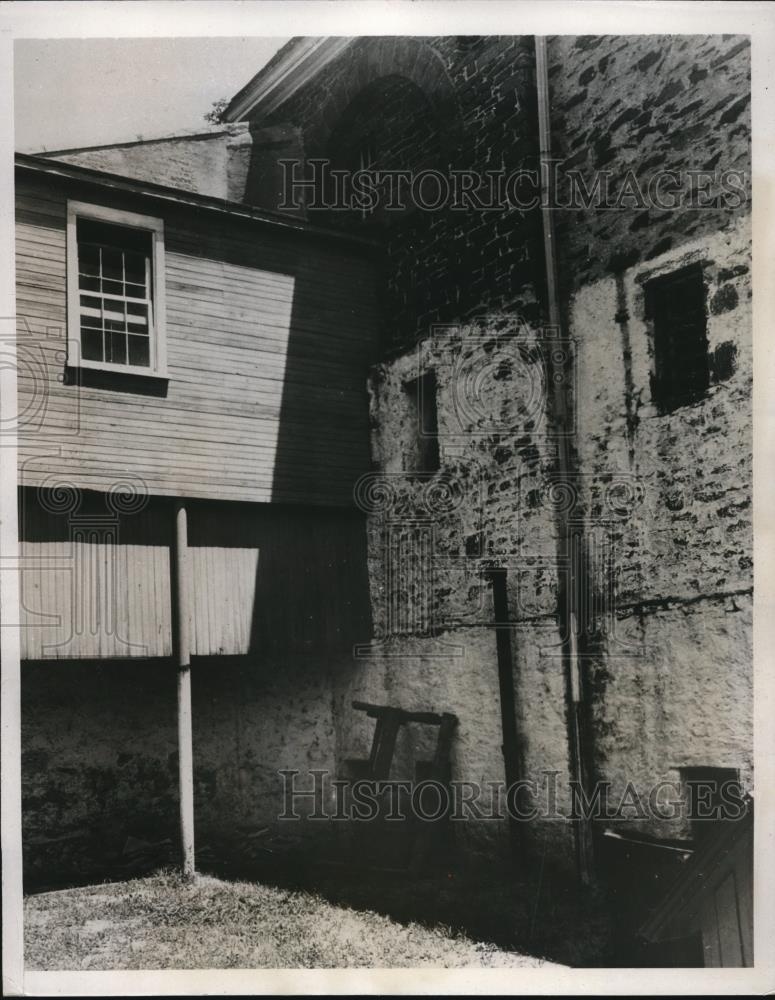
{"x": 114, "y": 286}
{"x": 114, "y": 295}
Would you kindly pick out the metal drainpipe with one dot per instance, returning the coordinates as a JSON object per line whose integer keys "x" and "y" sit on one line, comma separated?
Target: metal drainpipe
{"x": 560, "y": 414}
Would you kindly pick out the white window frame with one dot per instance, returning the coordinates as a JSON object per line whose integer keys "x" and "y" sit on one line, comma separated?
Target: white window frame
{"x": 157, "y": 332}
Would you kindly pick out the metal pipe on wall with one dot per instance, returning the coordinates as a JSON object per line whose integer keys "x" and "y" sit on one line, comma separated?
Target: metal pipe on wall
{"x": 571, "y": 597}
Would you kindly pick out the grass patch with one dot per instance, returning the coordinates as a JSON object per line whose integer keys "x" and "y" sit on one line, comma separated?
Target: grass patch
{"x": 163, "y": 922}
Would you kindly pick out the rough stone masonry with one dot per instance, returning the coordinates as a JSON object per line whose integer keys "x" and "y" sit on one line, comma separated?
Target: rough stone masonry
{"x": 663, "y": 498}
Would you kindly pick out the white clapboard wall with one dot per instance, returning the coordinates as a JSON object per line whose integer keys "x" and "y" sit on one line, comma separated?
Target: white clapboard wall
{"x": 96, "y": 600}
{"x": 269, "y": 339}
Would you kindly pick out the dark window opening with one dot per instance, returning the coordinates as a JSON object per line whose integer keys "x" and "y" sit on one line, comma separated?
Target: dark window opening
{"x": 424, "y": 453}
{"x": 712, "y": 794}
{"x": 675, "y": 305}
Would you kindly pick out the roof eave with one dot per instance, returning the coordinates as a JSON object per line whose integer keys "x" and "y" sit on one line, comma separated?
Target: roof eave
{"x": 150, "y": 189}
{"x": 274, "y": 85}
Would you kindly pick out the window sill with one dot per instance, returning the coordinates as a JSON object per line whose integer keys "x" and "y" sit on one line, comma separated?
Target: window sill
{"x": 118, "y": 378}
{"x": 106, "y": 366}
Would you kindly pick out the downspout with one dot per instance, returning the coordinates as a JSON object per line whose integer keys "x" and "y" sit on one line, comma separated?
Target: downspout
{"x": 572, "y": 582}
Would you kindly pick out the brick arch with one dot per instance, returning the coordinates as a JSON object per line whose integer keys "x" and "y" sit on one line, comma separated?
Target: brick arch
{"x": 371, "y": 101}
{"x": 390, "y": 56}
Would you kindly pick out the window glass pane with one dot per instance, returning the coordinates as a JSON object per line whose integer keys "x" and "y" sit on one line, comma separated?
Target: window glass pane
{"x": 135, "y": 268}
{"x": 88, "y": 284}
{"x": 112, "y": 264}
{"x": 137, "y": 311}
{"x": 114, "y": 235}
{"x": 139, "y": 351}
{"x": 88, "y": 259}
{"x": 137, "y": 315}
{"x": 135, "y": 291}
{"x": 114, "y": 309}
{"x": 91, "y": 302}
{"x": 115, "y": 348}
{"x": 91, "y": 344}
{"x": 112, "y": 287}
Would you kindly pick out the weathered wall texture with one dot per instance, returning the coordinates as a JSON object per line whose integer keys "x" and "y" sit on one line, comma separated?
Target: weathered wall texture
{"x": 683, "y": 581}
{"x": 683, "y": 585}
{"x": 631, "y": 110}
{"x": 431, "y": 537}
{"x": 667, "y": 661}
{"x": 89, "y": 783}
{"x": 212, "y": 162}
{"x": 441, "y": 102}
{"x": 99, "y": 736}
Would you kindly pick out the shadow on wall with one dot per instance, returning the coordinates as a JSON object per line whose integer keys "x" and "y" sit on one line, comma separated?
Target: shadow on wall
{"x": 322, "y": 445}
{"x": 99, "y": 734}
{"x": 309, "y": 594}
{"x": 99, "y": 738}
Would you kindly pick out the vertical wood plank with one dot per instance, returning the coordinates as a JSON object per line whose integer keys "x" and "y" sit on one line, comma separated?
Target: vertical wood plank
{"x": 710, "y": 940}
{"x": 729, "y": 923}
{"x": 744, "y": 878}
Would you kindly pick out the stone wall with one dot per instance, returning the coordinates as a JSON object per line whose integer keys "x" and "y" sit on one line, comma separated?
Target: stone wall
{"x": 663, "y": 499}
{"x": 630, "y": 110}
{"x": 100, "y": 770}
{"x": 677, "y": 668}
{"x": 432, "y": 538}
{"x": 683, "y": 584}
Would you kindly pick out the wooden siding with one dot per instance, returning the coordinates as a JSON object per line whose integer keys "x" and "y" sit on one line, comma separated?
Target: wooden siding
{"x": 94, "y": 600}
{"x": 269, "y": 338}
{"x": 265, "y": 579}
{"x": 224, "y": 593}
{"x": 106, "y": 601}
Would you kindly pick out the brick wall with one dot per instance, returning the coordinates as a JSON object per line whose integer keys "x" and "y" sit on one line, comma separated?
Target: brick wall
{"x": 478, "y": 96}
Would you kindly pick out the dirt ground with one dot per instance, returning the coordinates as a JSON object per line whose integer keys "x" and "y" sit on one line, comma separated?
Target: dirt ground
{"x": 162, "y": 922}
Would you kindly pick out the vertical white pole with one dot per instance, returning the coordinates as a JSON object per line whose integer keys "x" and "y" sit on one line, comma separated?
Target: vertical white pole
{"x": 185, "y": 732}
{"x": 10, "y": 695}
